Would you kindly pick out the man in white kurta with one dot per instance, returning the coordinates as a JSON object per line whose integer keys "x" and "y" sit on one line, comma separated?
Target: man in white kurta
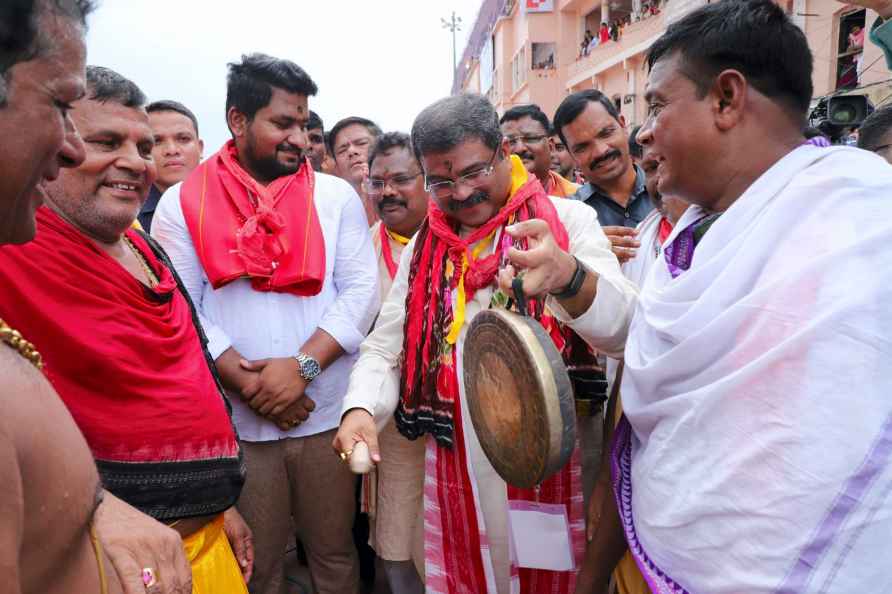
{"x": 375, "y": 379}
{"x": 393, "y": 495}
{"x": 756, "y": 450}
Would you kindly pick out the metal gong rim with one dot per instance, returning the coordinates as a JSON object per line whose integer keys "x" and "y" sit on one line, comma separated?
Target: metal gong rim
{"x": 519, "y": 395}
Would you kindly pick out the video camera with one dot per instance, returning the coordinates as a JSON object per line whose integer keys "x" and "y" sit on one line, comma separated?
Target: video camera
{"x": 836, "y": 115}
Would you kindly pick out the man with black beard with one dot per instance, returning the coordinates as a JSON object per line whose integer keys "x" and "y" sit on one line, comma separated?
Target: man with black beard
{"x": 595, "y": 134}
{"x": 279, "y": 263}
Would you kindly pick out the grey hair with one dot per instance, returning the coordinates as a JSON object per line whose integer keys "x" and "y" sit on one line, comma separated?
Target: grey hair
{"x": 104, "y": 85}
{"x": 21, "y": 37}
{"x": 451, "y": 121}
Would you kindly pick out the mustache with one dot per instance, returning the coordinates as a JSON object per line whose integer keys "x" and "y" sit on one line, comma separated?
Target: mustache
{"x": 385, "y": 202}
{"x": 605, "y": 157}
{"x": 287, "y": 147}
{"x": 472, "y": 200}
{"x": 525, "y": 155}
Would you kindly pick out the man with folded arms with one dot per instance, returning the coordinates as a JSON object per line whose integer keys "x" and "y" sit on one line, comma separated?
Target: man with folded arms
{"x": 124, "y": 350}
{"x": 484, "y": 200}
{"x": 279, "y": 262}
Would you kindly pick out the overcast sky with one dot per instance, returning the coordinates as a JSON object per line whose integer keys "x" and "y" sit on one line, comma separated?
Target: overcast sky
{"x": 384, "y": 60}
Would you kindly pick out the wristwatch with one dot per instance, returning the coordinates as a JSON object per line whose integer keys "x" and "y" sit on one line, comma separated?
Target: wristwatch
{"x": 572, "y": 288}
{"x": 309, "y": 367}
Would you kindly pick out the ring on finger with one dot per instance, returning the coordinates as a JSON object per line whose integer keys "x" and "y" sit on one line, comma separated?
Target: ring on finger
{"x": 345, "y": 455}
{"x": 148, "y": 577}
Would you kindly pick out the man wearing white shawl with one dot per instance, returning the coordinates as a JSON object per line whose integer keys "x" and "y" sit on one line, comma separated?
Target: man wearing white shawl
{"x": 755, "y": 454}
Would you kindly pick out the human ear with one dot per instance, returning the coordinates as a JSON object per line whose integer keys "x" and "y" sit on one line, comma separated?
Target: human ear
{"x": 728, "y": 95}
{"x": 237, "y": 121}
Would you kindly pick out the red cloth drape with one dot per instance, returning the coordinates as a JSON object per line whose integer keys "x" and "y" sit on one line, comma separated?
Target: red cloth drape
{"x": 126, "y": 360}
{"x": 242, "y": 229}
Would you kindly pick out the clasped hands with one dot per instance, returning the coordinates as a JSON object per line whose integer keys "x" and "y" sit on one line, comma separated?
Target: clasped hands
{"x": 273, "y": 387}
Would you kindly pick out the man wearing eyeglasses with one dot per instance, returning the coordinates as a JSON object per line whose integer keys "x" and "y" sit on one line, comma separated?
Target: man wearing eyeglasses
{"x": 875, "y": 133}
{"x": 526, "y": 129}
{"x": 484, "y": 203}
{"x": 395, "y": 187}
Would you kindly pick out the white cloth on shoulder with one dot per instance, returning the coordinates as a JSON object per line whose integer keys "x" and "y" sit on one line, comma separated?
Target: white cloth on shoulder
{"x": 759, "y": 388}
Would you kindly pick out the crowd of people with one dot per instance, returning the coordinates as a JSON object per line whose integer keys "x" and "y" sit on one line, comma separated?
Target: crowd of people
{"x": 614, "y": 30}
{"x": 195, "y": 344}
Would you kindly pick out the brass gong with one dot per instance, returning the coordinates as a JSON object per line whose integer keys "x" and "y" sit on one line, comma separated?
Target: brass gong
{"x": 519, "y": 397}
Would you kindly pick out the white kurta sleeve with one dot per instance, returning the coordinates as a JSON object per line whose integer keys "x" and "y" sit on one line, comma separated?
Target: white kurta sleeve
{"x": 374, "y": 382}
{"x": 169, "y": 229}
{"x": 606, "y": 323}
{"x": 355, "y": 276}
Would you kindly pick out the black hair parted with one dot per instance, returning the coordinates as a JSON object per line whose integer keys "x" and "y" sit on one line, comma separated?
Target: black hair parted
{"x": 105, "y": 85}
{"x": 249, "y": 84}
{"x": 390, "y": 141}
{"x": 446, "y": 123}
{"x": 174, "y": 106}
{"x": 754, "y": 37}
{"x": 527, "y": 111}
{"x": 575, "y": 103}
{"x": 371, "y": 126}
{"x": 874, "y": 128}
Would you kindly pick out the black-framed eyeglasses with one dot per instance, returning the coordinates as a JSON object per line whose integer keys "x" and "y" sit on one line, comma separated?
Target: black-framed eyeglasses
{"x": 527, "y": 139}
{"x": 375, "y": 186}
{"x": 472, "y": 179}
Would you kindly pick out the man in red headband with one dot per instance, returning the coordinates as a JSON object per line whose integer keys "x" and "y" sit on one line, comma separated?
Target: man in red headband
{"x": 395, "y": 187}
{"x": 279, "y": 263}
{"x": 482, "y": 196}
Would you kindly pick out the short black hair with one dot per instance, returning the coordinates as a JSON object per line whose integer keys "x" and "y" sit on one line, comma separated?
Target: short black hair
{"x": 388, "y": 141}
{"x": 371, "y": 126}
{"x": 575, "y": 103}
{"x": 635, "y": 149}
{"x": 249, "y": 84}
{"x": 105, "y": 85}
{"x": 315, "y": 121}
{"x": 527, "y": 111}
{"x": 453, "y": 120}
{"x": 21, "y": 39}
{"x": 174, "y": 106}
{"x": 755, "y": 37}
{"x": 874, "y": 128}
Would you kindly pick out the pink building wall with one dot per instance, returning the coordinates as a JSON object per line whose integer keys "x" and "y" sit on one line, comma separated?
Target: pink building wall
{"x": 617, "y": 68}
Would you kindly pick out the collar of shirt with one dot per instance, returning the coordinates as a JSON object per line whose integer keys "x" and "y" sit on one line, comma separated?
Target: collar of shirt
{"x": 611, "y": 213}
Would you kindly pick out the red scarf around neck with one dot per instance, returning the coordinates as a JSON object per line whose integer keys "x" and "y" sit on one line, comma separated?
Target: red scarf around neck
{"x": 126, "y": 360}
{"x": 242, "y": 229}
{"x": 427, "y": 396}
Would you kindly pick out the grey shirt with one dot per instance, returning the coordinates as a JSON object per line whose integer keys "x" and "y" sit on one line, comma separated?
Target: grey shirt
{"x": 612, "y": 214}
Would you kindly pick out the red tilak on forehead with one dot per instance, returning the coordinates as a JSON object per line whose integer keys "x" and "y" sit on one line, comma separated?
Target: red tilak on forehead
{"x": 448, "y": 165}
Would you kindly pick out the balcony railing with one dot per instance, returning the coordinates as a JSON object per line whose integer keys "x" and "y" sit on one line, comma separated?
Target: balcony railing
{"x": 633, "y": 34}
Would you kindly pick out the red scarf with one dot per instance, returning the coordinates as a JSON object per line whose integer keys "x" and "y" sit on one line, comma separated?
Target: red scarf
{"x": 664, "y": 231}
{"x": 242, "y": 229}
{"x": 387, "y": 252}
{"x": 126, "y": 359}
{"x": 426, "y": 395}
{"x": 430, "y": 403}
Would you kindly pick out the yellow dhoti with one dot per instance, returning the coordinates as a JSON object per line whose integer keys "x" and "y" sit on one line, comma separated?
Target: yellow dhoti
{"x": 214, "y": 567}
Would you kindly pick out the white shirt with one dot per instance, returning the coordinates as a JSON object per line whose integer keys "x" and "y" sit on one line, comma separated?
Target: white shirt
{"x": 268, "y": 324}
{"x": 606, "y": 321}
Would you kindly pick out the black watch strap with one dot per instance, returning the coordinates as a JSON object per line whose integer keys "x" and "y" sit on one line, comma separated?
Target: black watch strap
{"x": 575, "y": 283}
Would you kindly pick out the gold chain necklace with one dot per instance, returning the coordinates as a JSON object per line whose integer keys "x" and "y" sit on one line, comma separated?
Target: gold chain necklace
{"x": 150, "y": 274}
{"x": 15, "y": 339}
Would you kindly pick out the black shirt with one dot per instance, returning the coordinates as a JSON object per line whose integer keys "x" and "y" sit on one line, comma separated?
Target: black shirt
{"x": 612, "y": 214}
{"x": 148, "y": 209}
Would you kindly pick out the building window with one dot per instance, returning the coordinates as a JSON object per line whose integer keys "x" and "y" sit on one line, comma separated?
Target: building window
{"x": 519, "y": 69}
{"x": 543, "y": 56}
{"x": 850, "y": 49}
